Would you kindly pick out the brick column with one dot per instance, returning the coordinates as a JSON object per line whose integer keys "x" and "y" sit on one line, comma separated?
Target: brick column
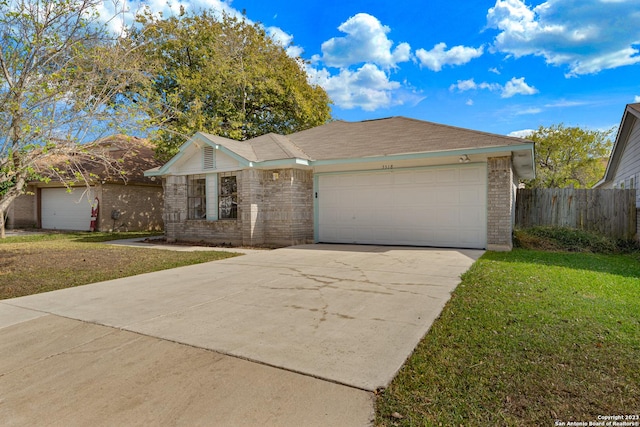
{"x": 175, "y": 206}
{"x": 501, "y": 200}
{"x": 250, "y": 200}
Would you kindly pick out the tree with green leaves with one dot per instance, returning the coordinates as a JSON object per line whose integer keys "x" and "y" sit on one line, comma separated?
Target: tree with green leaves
{"x": 225, "y": 77}
{"x": 569, "y": 156}
{"x": 61, "y": 73}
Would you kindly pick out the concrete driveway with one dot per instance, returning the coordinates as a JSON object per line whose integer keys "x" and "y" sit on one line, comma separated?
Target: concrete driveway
{"x": 346, "y": 317}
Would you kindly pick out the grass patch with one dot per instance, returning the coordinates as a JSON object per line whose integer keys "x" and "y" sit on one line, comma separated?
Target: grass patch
{"x": 528, "y": 337}
{"x": 41, "y": 263}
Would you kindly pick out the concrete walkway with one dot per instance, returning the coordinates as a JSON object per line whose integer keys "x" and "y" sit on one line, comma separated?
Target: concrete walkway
{"x": 346, "y": 317}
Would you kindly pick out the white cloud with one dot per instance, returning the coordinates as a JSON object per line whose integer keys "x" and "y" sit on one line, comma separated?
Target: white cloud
{"x": 438, "y": 57}
{"x": 513, "y": 87}
{"x": 565, "y": 104}
{"x": 368, "y": 87}
{"x": 366, "y": 42}
{"x": 583, "y": 35}
{"x": 636, "y": 99}
{"x": 469, "y": 102}
{"x": 365, "y": 57}
{"x": 528, "y": 111}
{"x": 517, "y": 87}
{"x": 120, "y": 15}
{"x": 465, "y": 85}
{"x": 524, "y": 133}
{"x": 285, "y": 40}
{"x": 494, "y": 70}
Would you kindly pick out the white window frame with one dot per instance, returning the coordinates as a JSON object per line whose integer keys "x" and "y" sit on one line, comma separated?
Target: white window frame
{"x": 196, "y": 197}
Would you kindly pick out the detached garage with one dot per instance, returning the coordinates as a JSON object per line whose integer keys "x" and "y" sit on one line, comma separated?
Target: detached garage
{"x": 394, "y": 181}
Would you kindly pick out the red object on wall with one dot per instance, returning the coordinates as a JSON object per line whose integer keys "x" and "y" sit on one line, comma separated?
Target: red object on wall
{"x": 94, "y": 214}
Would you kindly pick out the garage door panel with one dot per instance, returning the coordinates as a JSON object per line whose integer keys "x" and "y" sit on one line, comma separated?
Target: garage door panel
{"x": 369, "y": 196}
{"x": 444, "y": 218}
{"x": 472, "y": 195}
{"x": 471, "y": 175}
{"x": 64, "y": 210}
{"x": 402, "y": 178}
{"x": 407, "y": 196}
{"x": 426, "y": 177}
{"x": 445, "y": 234}
{"x": 447, "y": 196}
{"x": 470, "y": 238}
{"x": 471, "y": 218}
{"x": 447, "y": 176}
{"x": 406, "y": 218}
{"x": 428, "y": 207}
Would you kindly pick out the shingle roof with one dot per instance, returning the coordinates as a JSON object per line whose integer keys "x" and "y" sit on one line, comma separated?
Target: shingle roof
{"x": 274, "y": 147}
{"x": 134, "y": 156}
{"x": 262, "y": 148}
{"x": 391, "y": 136}
{"x": 241, "y": 148}
{"x": 371, "y": 138}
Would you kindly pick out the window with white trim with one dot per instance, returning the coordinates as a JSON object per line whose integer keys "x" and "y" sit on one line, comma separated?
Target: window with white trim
{"x": 196, "y": 197}
{"x": 227, "y": 195}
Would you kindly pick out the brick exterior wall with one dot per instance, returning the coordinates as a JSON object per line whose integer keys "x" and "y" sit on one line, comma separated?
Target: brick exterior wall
{"x": 22, "y": 213}
{"x": 288, "y": 207}
{"x": 500, "y": 209}
{"x": 140, "y": 207}
{"x": 275, "y": 208}
{"x": 251, "y": 202}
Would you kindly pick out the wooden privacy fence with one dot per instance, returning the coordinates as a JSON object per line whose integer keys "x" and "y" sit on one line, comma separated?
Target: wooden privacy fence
{"x": 609, "y": 212}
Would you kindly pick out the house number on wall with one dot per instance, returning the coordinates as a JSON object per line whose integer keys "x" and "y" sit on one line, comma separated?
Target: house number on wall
{"x": 387, "y": 166}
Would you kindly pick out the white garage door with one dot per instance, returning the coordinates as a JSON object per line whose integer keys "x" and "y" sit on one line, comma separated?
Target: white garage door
{"x": 66, "y": 211}
{"x": 444, "y": 206}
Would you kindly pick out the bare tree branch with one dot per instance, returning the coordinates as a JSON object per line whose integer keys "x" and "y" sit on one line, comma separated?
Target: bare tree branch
{"x": 63, "y": 72}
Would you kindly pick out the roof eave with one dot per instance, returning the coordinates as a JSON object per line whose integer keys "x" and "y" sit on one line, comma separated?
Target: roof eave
{"x": 293, "y": 161}
{"x": 428, "y": 154}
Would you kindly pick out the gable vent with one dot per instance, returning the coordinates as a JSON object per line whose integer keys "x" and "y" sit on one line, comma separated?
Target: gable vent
{"x": 208, "y": 158}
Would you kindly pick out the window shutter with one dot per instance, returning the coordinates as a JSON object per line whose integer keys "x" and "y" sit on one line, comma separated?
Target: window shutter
{"x": 208, "y": 158}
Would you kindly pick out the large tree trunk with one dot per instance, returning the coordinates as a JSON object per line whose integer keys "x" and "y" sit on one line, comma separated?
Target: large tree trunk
{"x": 2, "y": 234}
{"x": 6, "y": 201}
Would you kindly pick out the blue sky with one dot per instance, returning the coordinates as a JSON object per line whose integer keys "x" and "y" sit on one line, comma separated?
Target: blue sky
{"x": 500, "y": 66}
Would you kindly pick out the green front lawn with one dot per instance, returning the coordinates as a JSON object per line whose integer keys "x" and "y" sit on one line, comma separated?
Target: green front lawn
{"x": 40, "y": 263}
{"x": 528, "y": 338}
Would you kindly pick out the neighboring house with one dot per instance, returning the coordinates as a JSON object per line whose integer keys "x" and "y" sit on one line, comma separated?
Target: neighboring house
{"x": 131, "y": 204}
{"x": 394, "y": 181}
{"x": 623, "y": 170}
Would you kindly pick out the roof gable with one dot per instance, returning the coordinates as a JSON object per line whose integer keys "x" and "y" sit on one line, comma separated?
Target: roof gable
{"x": 630, "y": 118}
